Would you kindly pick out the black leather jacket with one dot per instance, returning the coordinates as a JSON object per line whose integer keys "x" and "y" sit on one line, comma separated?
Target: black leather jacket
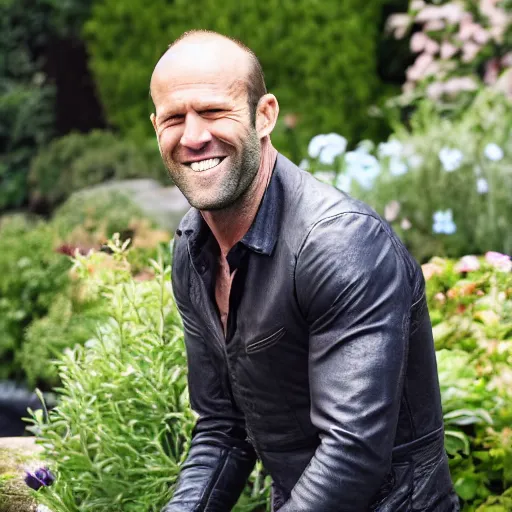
{"x": 328, "y": 370}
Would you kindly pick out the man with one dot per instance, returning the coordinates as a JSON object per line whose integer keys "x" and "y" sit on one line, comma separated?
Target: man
{"x": 308, "y": 338}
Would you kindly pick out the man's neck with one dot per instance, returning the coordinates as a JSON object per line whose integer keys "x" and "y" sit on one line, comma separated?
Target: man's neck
{"x": 231, "y": 224}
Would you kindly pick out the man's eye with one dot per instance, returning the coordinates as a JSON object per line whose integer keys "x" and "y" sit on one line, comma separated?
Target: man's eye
{"x": 211, "y": 111}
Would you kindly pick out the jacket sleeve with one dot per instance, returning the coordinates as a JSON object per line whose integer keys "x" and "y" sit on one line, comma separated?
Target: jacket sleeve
{"x": 353, "y": 289}
{"x": 220, "y": 459}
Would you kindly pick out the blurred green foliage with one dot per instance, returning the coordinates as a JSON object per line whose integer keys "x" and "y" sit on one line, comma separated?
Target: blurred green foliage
{"x": 470, "y": 303}
{"x": 32, "y": 273}
{"x": 26, "y": 100}
{"x": 43, "y": 309}
{"x": 76, "y": 161}
{"x": 319, "y": 58}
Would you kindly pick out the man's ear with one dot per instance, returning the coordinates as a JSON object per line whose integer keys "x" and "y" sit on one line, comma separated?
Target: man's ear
{"x": 153, "y": 121}
{"x": 266, "y": 115}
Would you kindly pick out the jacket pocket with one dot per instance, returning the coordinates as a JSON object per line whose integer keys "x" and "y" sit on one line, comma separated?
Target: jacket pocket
{"x": 265, "y": 342}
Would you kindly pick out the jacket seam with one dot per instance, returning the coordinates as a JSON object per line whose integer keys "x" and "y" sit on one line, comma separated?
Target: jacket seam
{"x": 338, "y": 215}
{"x": 202, "y": 506}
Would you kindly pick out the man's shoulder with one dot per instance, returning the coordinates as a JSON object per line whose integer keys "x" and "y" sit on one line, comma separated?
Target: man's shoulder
{"x": 309, "y": 202}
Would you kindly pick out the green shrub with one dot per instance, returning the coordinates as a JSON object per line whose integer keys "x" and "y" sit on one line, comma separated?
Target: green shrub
{"x": 123, "y": 423}
{"x": 77, "y": 161}
{"x": 471, "y": 308}
{"x": 444, "y": 184}
{"x": 26, "y": 99}
{"x": 71, "y": 321}
{"x": 32, "y": 274}
{"x": 319, "y": 58}
{"x": 90, "y": 215}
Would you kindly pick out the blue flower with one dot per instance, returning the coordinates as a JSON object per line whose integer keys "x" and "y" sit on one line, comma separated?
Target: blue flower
{"x": 397, "y": 167}
{"x": 343, "y": 182}
{"x": 42, "y": 477}
{"x": 493, "y": 152}
{"x": 392, "y": 148}
{"x": 364, "y": 168}
{"x": 327, "y": 147}
{"x": 451, "y": 159}
{"x": 443, "y": 222}
{"x": 482, "y": 187}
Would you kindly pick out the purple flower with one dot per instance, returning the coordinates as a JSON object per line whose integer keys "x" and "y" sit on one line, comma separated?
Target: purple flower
{"x": 42, "y": 477}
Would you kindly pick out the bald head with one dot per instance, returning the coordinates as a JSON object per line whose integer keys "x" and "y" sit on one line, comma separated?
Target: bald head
{"x": 211, "y": 54}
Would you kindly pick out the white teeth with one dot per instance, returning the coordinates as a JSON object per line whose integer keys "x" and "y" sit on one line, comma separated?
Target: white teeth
{"x": 204, "y": 165}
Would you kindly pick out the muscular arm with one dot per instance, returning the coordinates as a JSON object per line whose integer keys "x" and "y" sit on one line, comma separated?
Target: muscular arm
{"x": 220, "y": 459}
{"x": 353, "y": 290}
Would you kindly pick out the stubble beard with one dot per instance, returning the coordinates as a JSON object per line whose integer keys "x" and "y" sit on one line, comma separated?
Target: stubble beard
{"x": 232, "y": 189}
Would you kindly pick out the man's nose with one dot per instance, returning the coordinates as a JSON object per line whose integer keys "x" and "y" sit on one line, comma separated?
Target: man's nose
{"x": 196, "y": 133}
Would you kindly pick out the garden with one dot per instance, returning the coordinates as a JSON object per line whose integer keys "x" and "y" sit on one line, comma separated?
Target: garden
{"x": 406, "y": 105}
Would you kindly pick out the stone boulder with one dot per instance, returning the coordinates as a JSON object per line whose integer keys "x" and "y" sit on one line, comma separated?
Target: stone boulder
{"x": 166, "y": 205}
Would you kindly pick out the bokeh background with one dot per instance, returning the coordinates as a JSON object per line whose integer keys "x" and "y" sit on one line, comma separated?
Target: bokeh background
{"x": 406, "y": 105}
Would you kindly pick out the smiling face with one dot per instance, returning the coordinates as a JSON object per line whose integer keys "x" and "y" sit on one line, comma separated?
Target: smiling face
{"x": 203, "y": 123}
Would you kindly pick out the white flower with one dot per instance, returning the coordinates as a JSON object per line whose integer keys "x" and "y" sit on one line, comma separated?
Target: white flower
{"x": 415, "y": 161}
{"x": 482, "y": 186}
{"x": 129, "y": 371}
{"x": 304, "y": 164}
{"x": 365, "y": 147}
{"x": 331, "y": 144}
{"x": 364, "y": 168}
{"x": 391, "y": 210}
{"x": 43, "y": 508}
{"x": 397, "y": 167}
{"x": 343, "y": 183}
{"x": 405, "y": 224}
{"x": 493, "y": 152}
{"x": 392, "y": 148}
{"x": 451, "y": 159}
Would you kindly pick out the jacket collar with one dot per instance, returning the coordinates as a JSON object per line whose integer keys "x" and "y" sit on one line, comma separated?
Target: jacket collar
{"x": 261, "y": 236}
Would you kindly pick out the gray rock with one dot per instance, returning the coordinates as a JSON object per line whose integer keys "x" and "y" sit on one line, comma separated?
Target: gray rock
{"x": 166, "y": 205}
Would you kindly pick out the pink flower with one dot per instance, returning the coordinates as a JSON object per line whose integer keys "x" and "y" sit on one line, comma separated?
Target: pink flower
{"x": 467, "y": 264}
{"x": 448, "y": 50}
{"x": 470, "y": 51}
{"x": 499, "y": 261}
{"x": 435, "y": 90}
{"x": 452, "y": 12}
{"x": 434, "y": 25}
{"x": 458, "y": 84}
{"x": 398, "y": 24}
{"x": 432, "y": 47}
{"x": 492, "y": 71}
{"x": 417, "y": 70}
{"x": 480, "y": 35}
{"x": 418, "y": 42}
{"x": 466, "y": 27}
{"x": 440, "y": 297}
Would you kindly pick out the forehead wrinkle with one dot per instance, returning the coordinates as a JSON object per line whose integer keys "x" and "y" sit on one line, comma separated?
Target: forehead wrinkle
{"x": 198, "y": 94}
